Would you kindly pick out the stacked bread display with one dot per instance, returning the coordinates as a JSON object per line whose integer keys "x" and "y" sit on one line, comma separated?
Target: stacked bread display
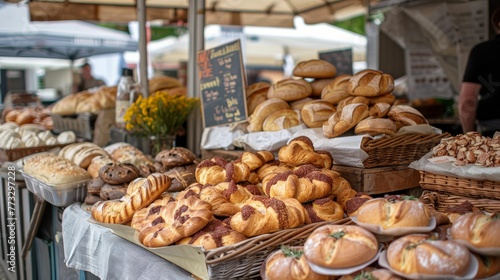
{"x": 86, "y": 102}
{"x": 362, "y": 102}
{"x": 13, "y": 136}
{"x": 179, "y": 164}
{"x": 25, "y": 115}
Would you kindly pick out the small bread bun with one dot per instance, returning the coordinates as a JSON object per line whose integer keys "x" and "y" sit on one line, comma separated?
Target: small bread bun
{"x": 340, "y": 246}
{"x": 389, "y": 213}
{"x": 66, "y": 137}
{"x": 419, "y": 253}
{"x": 315, "y": 68}
{"x": 318, "y": 85}
{"x": 336, "y": 90}
{"x": 281, "y": 119}
{"x": 478, "y": 229}
{"x": 370, "y": 83}
{"x": 315, "y": 113}
{"x": 290, "y": 90}
{"x": 406, "y": 115}
{"x": 26, "y": 116}
{"x": 488, "y": 266}
{"x": 374, "y": 126}
{"x": 379, "y": 110}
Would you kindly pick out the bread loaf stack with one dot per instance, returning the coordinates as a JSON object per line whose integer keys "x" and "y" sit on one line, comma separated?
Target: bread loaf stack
{"x": 82, "y": 153}
{"x": 86, "y": 102}
{"x": 126, "y": 153}
{"x": 179, "y": 164}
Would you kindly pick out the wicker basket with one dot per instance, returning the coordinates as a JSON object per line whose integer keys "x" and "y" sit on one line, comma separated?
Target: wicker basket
{"x": 82, "y": 124}
{"x": 460, "y": 186}
{"x": 15, "y": 154}
{"x": 440, "y": 201}
{"x": 244, "y": 259}
{"x": 398, "y": 150}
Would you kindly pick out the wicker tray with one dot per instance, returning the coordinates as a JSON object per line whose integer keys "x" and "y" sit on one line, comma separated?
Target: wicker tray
{"x": 15, "y": 154}
{"x": 82, "y": 124}
{"x": 440, "y": 201}
{"x": 460, "y": 186}
{"x": 241, "y": 260}
{"x": 398, "y": 150}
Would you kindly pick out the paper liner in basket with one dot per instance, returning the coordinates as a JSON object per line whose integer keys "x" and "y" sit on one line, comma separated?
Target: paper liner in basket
{"x": 377, "y": 229}
{"x": 494, "y": 252}
{"x": 470, "y": 274}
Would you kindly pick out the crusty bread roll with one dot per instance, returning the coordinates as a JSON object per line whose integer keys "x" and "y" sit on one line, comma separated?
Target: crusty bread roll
{"x": 315, "y": 113}
{"x": 389, "y": 213}
{"x": 25, "y": 116}
{"x": 298, "y": 104}
{"x": 291, "y": 264}
{"x": 341, "y": 121}
{"x": 336, "y": 90}
{"x": 140, "y": 193}
{"x": 263, "y": 110}
{"x": 315, "y": 68}
{"x": 175, "y": 157}
{"x": 479, "y": 229}
{"x": 67, "y": 105}
{"x": 290, "y": 90}
{"x": 379, "y": 110}
{"x": 54, "y": 170}
{"x": 96, "y": 163}
{"x": 419, "y": 253}
{"x": 406, "y": 115}
{"x": 262, "y": 214}
{"x": 351, "y": 100}
{"x": 281, "y": 119}
{"x": 318, "y": 85}
{"x": 256, "y": 93}
{"x": 388, "y": 98}
{"x": 340, "y": 246}
{"x": 370, "y": 83}
{"x": 376, "y": 126}
{"x": 214, "y": 235}
{"x": 487, "y": 266}
{"x": 162, "y": 82}
{"x": 126, "y": 153}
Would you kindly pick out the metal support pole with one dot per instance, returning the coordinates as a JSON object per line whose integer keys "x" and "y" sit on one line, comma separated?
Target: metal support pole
{"x": 196, "y": 27}
{"x": 143, "y": 48}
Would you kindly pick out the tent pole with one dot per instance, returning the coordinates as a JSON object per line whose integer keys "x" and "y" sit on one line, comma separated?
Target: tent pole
{"x": 196, "y": 27}
{"x": 143, "y": 48}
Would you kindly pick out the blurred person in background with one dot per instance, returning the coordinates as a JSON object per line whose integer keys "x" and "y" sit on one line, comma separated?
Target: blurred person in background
{"x": 479, "y": 99}
{"x": 86, "y": 80}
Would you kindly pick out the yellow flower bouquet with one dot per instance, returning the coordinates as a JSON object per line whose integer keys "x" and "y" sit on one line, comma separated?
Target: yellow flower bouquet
{"x": 160, "y": 115}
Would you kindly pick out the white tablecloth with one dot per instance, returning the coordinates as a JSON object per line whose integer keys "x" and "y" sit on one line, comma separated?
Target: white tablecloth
{"x": 96, "y": 249}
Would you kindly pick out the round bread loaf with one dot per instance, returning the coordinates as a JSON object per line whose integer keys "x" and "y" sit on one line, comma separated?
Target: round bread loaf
{"x": 341, "y": 121}
{"x": 118, "y": 173}
{"x": 298, "y": 104}
{"x": 487, "y": 266}
{"x": 96, "y": 163}
{"x": 315, "y": 68}
{"x": 406, "y": 115}
{"x": 318, "y": 85}
{"x": 315, "y": 113}
{"x": 92, "y": 199}
{"x": 110, "y": 192}
{"x": 379, "y": 110}
{"x": 390, "y": 213}
{"x": 370, "y": 83}
{"x": 256, "y": 93}
{"x": 419, "y": 253}
{"x": 263, "y": 110}
{"x": 376, "y": 126}
{"x": 290, "y": 90}
{"x": 289, "y": 263}
{"x": 340, "y": 246}
{"x": 95, "y": 185}
{"x": 336, "y": 90}
{"x": 388, "y": 98}
{"x": 281, "y": 119}
{"x": 479, "y": 229}
{"x": 352, "y": 100}
{"x": 175, "y": 157}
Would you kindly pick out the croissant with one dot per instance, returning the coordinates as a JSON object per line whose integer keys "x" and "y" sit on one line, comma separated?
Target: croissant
{"x": 323, "y": 209}
{"x": 304, "y": 184}
{"x": 217, "y": 170}
{"x": 174, "y": 221}
{"x": 301, "y": 151}
{"x": 265, "y": 215}
{"x": 140, "y": 193}
{"x": 225, "y": 197}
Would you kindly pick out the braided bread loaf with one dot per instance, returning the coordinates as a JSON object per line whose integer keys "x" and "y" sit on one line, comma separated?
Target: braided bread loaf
{"x": 174, "y": 221}
{"x": 264, "y": 215}
{"x": 140, "y": 193}
{"x": 256, "y": 160}
{"x": 139, "y": 219}
{"x": 226, "y": 198}
{"x": 215, "y": 234}
{"x": 217, "y": 170}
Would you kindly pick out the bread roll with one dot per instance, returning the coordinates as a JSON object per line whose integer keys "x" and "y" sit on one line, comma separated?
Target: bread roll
{"x": 318, "y": 85}
{"x": 323, "y": 209}
{"x": 336, "y": 90}
{"x": 290, "y": 90}
{"x": 315, "y": 113}
{"x": 370, "y": 83}
{"x": 289, "y": 263}
{"x": 162, "y": 82}
{"x": 12, "y": 143}
{"x": 26, "y": 116}
{"x": 281, "y": 119}
{"x": 315, "y": 68}
{"x": 256, "y": 93}
{"x": 478, "y": 229}
{"x": 175, "y": 157}
{"x": 488, "y": 266}
{"x": 341, "y": 121}
{"x": 214, "y": 235}
{"x": 298, "y": 104}
{"x": 406, "y": 115}
{"x": 96, "y": 163}
{"x": 66, "y": 137}
{"x": 373, "y": 127}
{"x": 263, "y": 110}
{"x": 11, "y": 116}
{"x": 379, "y": 110}
{"x": 340, "y": 246}
{"x": 390, "y": 213}
{"x": 419, "y": 253}
{"x": 54, "y": 170}
{"x": 352, "y": 100}
{"x": 388, "y": 98}
{"x": 34, "y": 142}
{"x": 67, "y": 105}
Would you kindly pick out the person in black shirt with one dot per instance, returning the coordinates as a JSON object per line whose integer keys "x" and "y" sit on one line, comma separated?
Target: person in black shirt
{"x": 86, "y": 80}
{"x": 479, "y": 99}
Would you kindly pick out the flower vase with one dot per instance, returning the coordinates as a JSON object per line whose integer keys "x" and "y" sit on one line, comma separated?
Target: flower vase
{"x": 160, "y": 143}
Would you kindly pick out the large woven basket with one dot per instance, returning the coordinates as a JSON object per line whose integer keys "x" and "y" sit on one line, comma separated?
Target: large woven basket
{"x": 399, "y": 150}
{"x": 460, "y": 186}
{"x": 440, "y": 201}
{"x": 244, "y": 260}
{"x": 15, "y": 154}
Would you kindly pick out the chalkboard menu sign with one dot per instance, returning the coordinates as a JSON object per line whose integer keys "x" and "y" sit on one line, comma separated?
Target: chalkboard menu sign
{"x": 342, "y": 59}
{"x": 222, "y": 84}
